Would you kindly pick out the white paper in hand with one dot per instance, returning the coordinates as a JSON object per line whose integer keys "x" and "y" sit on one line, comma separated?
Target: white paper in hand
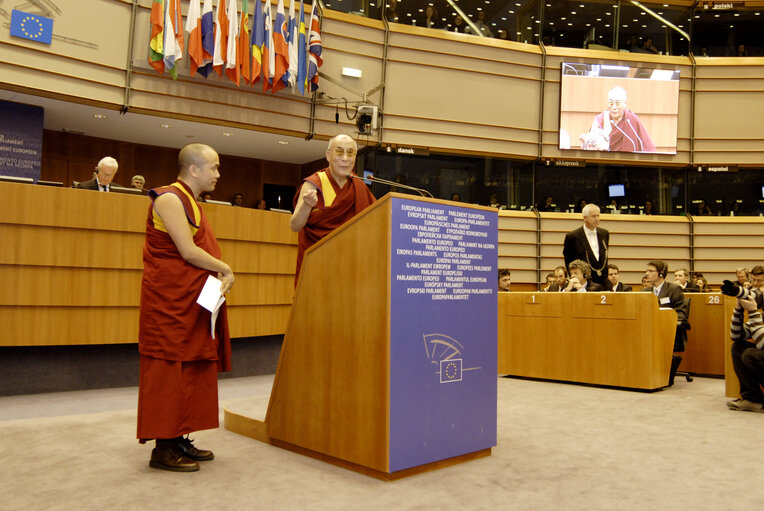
{"x": 211, "y": 299}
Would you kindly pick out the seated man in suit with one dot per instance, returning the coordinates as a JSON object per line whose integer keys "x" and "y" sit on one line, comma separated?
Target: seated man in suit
{"x": 669, "y": 295}
{"x": 580, "y": 278}
{"x": 550, "y": 279}
{"x": 613, "y": 283}
{"x": 104, "y": 174}
{"x": 561, "y": 279}
{"x": 505, "y": 279}
{"x": 682, "y": 279}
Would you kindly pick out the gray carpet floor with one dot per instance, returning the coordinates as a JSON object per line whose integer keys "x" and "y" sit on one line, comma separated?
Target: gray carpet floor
{"x": 559, "y": 446}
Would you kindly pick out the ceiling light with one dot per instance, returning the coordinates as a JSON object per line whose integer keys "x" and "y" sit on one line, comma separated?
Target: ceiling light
{"x": 99, "y": 116}
{"x": 283, "y": 142}
{"x": 352, "y": 72}
{"x": 570, "y": 24}
{"x": 165, "y": 125}
{"x": 572, "y": 12}
{"x": 228, "y": 133}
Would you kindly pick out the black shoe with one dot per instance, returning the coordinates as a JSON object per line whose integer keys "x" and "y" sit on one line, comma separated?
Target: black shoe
{"x": 186, "y": 446}
{"x": 675, "y": 361}
{"x": 170, "y": 457}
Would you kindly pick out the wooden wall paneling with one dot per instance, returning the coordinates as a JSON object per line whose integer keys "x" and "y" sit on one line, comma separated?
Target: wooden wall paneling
{"x": 704, "y": 353}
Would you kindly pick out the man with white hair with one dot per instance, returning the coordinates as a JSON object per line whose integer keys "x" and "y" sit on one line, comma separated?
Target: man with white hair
{"x": 328, "y": 198}
{"x": 622, "y": 126}
{"x": 589, "y": 243}
{"x": 104, "y": 174}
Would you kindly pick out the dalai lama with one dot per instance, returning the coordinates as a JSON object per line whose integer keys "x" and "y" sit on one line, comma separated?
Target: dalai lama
{"x": 329, "y": 197}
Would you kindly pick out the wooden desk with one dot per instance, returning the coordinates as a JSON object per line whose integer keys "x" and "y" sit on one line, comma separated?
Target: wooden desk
{"x": 618, "y": 339}
{"x": 71, "y": 265}
{"x": 706, "y": 339}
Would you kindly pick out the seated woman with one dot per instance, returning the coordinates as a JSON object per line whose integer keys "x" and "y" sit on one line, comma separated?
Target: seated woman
{"x": 702, "y": 284}
{"x": 580, "y": 275}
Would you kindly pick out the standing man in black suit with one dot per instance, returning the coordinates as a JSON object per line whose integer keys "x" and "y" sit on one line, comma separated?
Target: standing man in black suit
{"x": 589, "y": 243}
{"x": 613, "y": 283}
{"x": 104, "y": 174}
{"x": 669, "y": 295}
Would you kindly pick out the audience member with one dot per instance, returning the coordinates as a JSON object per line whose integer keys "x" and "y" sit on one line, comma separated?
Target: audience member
{"x": 580, "y": 205}
{"x": 747, "y": 356}
{"x": 649, "y": 46}
{"x": 390, "y": 13}
{"x": 743, "y": 277}
{"x": 682, "y": 279}
{"x": 547, "y": 205}
{"x": 261, "y": 204}
{"x": 180, "y": 354}
{"x": 580, "y": 278}
{"x": 430, "y": 18}
{"x": 649, "y": 209}
{"x": 702, "y": 284}
{"x": 502, "y": 34}
{"x": 645, "y": 282}
{"x": 493, "y": 201}
{"x": 622, "y": 127}
{"x": 589, "y": 243}
{"x": 318, "y": 211}
{"x": 613, "y": 283}
{"x": 456, "y": 197}
{"x": 741, "y": 51}
{"x": 480, "y": 24}
{"x": 103, "y": 176}
{"x": 205, "y": 196}
{"x": 460, "y": 25}
{"x": 702, "y": 209}
{"x": 757, "y": 277}
{"x": 669, "y": 295}
{"x": 238, "y": 200}
{"x": 561, "y": 279}
{"x": 505, "y": 279}
{"x": 550, "y": 280}
{"x": 138, "y": 181}
{"x": 704, "y": 52}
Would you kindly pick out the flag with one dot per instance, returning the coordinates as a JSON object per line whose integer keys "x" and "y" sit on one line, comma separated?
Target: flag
{"x": 221, "y": 39}
{"x": 33, "y": 27}
{"x": 194, "y": 29}
{"x": 301, "y": 49}
{"x": 292, "y": 43}
{"x": 243, "y": 54}
{"x": 232, "y": 70}
{"x": 258, "y": 40}
{"x": 314, "y": 48}
{"x": 156, "y": 43}
{"x": 208, "y": 38}
{"x": 173, "y": 37}
{"x": 280, "y": 34}
{"x": 269, "y": 57}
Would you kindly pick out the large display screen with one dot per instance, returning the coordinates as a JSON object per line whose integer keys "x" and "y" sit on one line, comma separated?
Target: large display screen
{"x": 617, "y": 108}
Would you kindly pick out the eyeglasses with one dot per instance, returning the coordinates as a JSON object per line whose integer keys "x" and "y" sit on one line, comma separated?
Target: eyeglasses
{"x": 338, "y": 151}
{"x": 617, "y": 102}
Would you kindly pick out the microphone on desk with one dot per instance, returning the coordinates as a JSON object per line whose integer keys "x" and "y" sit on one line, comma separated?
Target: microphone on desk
{"x": 420, "y": 191}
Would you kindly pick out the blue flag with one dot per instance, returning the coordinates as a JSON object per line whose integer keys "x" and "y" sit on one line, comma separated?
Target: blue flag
{"x": 31, "y": 26}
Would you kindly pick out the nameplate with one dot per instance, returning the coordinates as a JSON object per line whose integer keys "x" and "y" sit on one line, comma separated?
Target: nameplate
{"x": 569, "y": 163}
{"x": 408, "y": 150}
{"x": 717, "y": 168}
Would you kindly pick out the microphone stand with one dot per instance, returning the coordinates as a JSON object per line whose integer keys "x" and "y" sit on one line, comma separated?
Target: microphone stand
{"x": 420, "y": 191}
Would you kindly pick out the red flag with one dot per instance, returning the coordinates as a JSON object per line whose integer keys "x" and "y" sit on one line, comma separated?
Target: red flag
{"x": 280, "y": 47}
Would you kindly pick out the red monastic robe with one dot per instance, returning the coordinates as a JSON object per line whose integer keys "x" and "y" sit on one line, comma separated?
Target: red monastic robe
{"x": 179, "y": 357}
{"x": 335, "y": 207}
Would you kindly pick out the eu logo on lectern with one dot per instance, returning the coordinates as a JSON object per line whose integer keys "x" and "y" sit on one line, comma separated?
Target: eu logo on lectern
{"x": 31, "y": 26}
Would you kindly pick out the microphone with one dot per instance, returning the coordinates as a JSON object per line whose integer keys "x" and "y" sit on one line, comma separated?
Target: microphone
{"x": 641, "y": 145}
{"x": 420, "y": 191}
{"x": 624, "y": 133}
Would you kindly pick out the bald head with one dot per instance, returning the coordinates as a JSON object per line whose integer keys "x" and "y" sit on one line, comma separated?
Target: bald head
{"x": 341, "y": 139}
{"x": 194, "y": 154}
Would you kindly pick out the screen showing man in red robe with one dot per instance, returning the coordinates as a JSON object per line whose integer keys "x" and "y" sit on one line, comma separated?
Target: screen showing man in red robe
{"x": 329, "y": 197}
{"x": 620, "y": 126}
{"x": 179, "y": 355}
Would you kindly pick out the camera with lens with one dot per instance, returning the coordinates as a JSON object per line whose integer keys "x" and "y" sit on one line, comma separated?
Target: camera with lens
{"x": 730, "y": 288}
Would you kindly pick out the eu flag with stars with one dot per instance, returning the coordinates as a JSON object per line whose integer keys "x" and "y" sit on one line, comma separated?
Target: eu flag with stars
{"x": 31, "y": 26}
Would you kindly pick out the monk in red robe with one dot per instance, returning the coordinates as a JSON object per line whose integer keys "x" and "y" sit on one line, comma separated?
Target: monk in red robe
{"x": 621, "y": 127}
{"x": 330, "y": 197}
{"x": 179, "y": 356}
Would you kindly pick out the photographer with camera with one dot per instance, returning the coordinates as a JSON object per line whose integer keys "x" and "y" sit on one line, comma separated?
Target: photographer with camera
{"x": 747, "y": 356}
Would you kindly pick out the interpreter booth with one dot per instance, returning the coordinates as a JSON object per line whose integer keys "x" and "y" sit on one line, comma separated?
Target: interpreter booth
{"x": 388, "y": 365}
